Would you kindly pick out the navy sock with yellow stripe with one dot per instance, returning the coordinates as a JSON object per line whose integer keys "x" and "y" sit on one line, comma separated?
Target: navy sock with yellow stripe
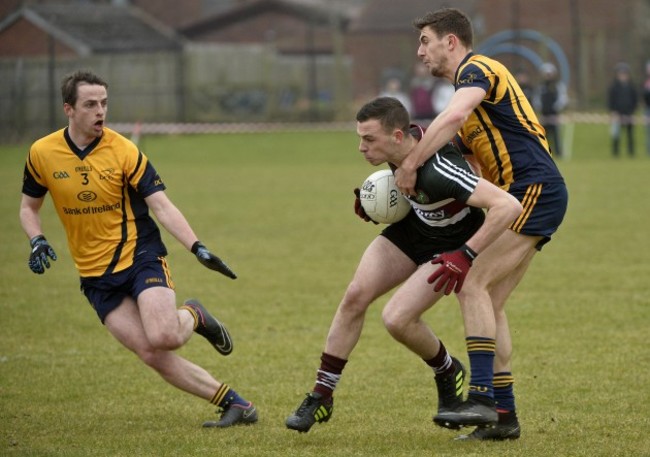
{"x": 480, "y": 351}
{"x": 225, "y": 396}
{"x": 193, "y": 313}
{"x": 504, "y": 395}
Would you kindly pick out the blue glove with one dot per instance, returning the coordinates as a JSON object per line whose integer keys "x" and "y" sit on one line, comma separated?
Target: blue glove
{"x": 211, "y": 261}
{"x": 41, "y": 250}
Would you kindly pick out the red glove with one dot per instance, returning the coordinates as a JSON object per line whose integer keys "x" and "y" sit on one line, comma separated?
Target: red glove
{"x": 358, "y": 209}
{"x": 453, "y": 269}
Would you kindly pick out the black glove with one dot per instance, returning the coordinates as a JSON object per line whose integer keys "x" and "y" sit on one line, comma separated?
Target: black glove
{"x": 358, "y": 209}
{"x": 41, "y": 250}
{"x": 211, "y": 261}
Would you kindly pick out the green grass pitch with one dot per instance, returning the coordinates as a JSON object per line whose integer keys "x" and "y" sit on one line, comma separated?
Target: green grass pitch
{"x": 277, "y": 207}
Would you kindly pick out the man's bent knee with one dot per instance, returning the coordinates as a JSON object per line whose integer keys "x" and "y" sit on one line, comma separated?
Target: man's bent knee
{"x": 155, "y": 359}
{"x": 356, "y": 299}
{"x": 165, "y": 341}
{"x": 394, "y": 322}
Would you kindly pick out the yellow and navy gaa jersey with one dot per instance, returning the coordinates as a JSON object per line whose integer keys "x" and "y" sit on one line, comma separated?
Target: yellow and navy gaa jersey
{"x": 98, "y": 194}
{"x": 503, "y": 132}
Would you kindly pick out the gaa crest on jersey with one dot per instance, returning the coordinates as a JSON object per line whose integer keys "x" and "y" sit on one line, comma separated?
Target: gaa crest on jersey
{"x": 60, "y": 175}
{"x": 422, "y": 198}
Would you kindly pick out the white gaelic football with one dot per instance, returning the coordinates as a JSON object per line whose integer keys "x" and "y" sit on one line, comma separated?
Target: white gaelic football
{"x": 381, "y": 199}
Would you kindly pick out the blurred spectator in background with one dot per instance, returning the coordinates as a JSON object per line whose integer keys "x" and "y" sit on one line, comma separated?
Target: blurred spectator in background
{"x": 421, "y": 93}
{"x": 549, "y": 100}
{"x": 443, "y": 90}
{"x": 523, "y": 79}
{"x": 622, "y": 100}
{"x": 429, "y": 95}
{"x": 393, "y": 88}
{"x": 646, "y": 102}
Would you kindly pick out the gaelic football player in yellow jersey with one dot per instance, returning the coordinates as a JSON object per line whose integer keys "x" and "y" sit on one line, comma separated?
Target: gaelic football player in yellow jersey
{"x": 492, "y": 122}
{"x": 102, "y": 188}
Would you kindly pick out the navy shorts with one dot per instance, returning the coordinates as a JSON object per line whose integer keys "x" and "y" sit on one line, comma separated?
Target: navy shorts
{"x": 105, "y": 293}
{"x": 544, "y": 208}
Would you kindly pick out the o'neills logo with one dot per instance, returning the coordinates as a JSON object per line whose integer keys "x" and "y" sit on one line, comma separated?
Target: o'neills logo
{"x": 471, "y": 136}
{"x": 368, "y": 186}
{"x": 468, "y": 79}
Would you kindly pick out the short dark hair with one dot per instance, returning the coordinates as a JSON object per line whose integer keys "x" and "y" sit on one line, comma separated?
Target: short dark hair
{"x": 389, "y": 111}
{"x": 71, "y": 82}
{"x": 448, "y": 20}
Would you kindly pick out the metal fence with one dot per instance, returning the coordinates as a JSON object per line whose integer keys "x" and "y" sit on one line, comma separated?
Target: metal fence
{"x": 202, "y": 84}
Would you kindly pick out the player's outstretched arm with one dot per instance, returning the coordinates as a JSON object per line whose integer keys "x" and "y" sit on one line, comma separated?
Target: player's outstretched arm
{"x": 440, "y": 132}
{"x": 175, "y": 223}
{"x": 211, "y": 261}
